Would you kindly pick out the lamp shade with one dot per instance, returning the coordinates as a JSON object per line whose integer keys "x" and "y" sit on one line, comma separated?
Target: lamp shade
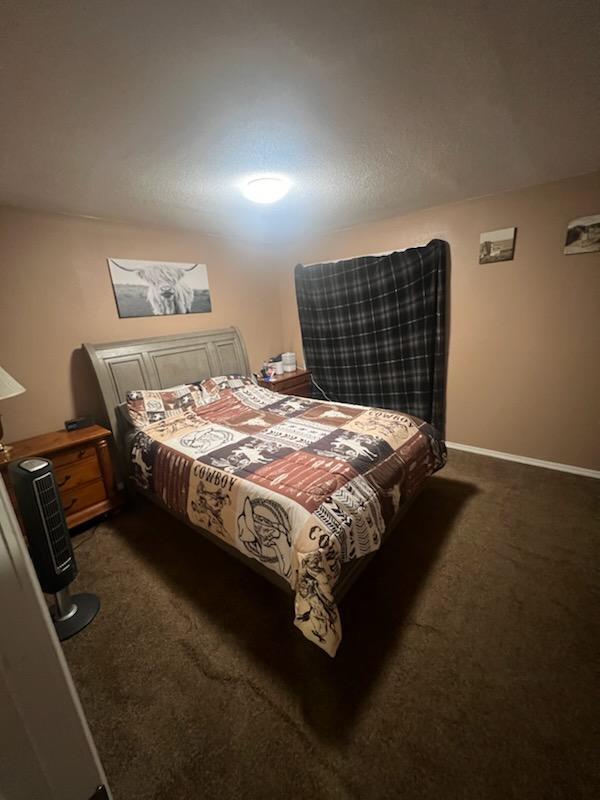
{"x": 9, "y": 387}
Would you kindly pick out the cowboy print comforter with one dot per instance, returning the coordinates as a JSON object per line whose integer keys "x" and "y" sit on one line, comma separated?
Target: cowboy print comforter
{"x": 298, "y": 484}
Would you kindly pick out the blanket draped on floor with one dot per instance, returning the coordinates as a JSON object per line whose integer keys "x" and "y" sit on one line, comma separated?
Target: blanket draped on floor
{"x": 373, "y": 329}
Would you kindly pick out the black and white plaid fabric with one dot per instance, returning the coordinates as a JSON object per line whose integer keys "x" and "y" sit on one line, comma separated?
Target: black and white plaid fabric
{"x": 373, "y": 329}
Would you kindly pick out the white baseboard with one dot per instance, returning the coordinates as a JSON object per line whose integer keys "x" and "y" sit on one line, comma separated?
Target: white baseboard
{"x": 535, "y": 462}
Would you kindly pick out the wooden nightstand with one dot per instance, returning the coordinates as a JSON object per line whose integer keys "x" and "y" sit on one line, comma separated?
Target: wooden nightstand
{"x": 298, "y": 383}
{"x": 82, "y": 467}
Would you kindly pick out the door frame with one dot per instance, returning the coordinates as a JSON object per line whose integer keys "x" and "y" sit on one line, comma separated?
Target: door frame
{"x": 46, "y": 748}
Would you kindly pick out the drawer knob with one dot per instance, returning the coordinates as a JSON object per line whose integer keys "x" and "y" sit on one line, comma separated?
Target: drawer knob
{"x": 81, "y": 453}
{"x": 64, "y": 480}
{"x": 71, "y": 504}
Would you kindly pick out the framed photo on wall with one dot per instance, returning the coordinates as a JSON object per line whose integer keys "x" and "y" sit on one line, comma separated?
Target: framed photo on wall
{"x": 583, "y": 235}
{"x": 497, "y": 245}
{"x": 159, "y": 288}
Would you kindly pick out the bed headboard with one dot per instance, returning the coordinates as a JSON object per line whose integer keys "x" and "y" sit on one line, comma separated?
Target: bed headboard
{"x": 163, "y": 361}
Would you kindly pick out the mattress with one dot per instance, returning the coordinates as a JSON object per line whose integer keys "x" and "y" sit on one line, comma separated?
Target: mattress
{"x": 300, "y": 485}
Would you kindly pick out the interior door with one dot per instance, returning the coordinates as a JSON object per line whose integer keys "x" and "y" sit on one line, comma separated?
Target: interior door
{"x": 46, "y": 749}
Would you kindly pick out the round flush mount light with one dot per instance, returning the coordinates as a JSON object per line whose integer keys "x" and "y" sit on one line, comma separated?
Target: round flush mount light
{"x": 266, "y": 188}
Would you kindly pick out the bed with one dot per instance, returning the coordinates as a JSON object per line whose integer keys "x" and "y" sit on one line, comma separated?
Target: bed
{"x": 304, "y": 491}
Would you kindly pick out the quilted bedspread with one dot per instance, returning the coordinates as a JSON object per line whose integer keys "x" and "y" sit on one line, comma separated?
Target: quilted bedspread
{"x": 300, "y": 485}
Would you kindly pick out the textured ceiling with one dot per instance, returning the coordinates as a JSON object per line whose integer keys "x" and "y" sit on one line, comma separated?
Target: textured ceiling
{"x": 154, "y": 111}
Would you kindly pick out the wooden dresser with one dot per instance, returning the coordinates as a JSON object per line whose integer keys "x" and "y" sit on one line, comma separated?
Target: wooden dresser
{"x": 297, "y": 383}
{"x": 82, "y": 466}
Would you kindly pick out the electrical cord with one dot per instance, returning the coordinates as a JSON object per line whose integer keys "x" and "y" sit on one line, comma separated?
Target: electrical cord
{"x": 87, "y": 538}
{"x": 320, "y": 389}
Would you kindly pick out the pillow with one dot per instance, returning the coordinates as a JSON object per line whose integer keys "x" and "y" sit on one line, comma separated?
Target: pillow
{"x": 211, "y": 387}
{"x": 146, "y": 406}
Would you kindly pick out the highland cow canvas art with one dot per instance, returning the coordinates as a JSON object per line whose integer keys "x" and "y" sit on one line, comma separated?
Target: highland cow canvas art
{"x": 158, "y": 288}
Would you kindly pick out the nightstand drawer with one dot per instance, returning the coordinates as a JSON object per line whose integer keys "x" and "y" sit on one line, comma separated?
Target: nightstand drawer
{"x": 72, "y": 456}
{"x": 297, "y": 383}
{"x": 82, "y": 497}
{"x": 299, "y": 388}
{"x": 77, "y": 473}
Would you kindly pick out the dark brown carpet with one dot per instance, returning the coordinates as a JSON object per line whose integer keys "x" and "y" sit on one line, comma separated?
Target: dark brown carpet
{"x": 466, "y": 670}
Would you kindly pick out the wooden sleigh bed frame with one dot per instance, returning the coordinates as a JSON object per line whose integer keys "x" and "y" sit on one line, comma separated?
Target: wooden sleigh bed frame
{"x": 165, "y": 361}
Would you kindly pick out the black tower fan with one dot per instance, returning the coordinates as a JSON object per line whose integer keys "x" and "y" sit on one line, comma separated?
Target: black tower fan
{"x": 50, "y": 544}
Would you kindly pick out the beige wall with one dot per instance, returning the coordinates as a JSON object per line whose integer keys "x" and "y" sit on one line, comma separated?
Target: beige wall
{"x": 55, "y": 293}
{"x": 525, "y": 334}
{"x": 524, "y": 363}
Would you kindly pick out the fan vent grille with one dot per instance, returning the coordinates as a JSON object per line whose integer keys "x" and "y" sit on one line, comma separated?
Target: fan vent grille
{"x": 52, "y": 517}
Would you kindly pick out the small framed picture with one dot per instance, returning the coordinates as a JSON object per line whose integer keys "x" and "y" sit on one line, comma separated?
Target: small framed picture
{"x": 497, "y": 245}
{"x": 583, "y": 235}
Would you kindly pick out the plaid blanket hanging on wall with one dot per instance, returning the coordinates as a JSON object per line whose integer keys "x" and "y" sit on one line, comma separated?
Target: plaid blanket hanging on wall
{"x": 373, "y": 329}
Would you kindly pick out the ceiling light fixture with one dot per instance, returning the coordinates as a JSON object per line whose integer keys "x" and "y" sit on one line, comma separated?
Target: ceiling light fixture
{"x": 266, "y": 188}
